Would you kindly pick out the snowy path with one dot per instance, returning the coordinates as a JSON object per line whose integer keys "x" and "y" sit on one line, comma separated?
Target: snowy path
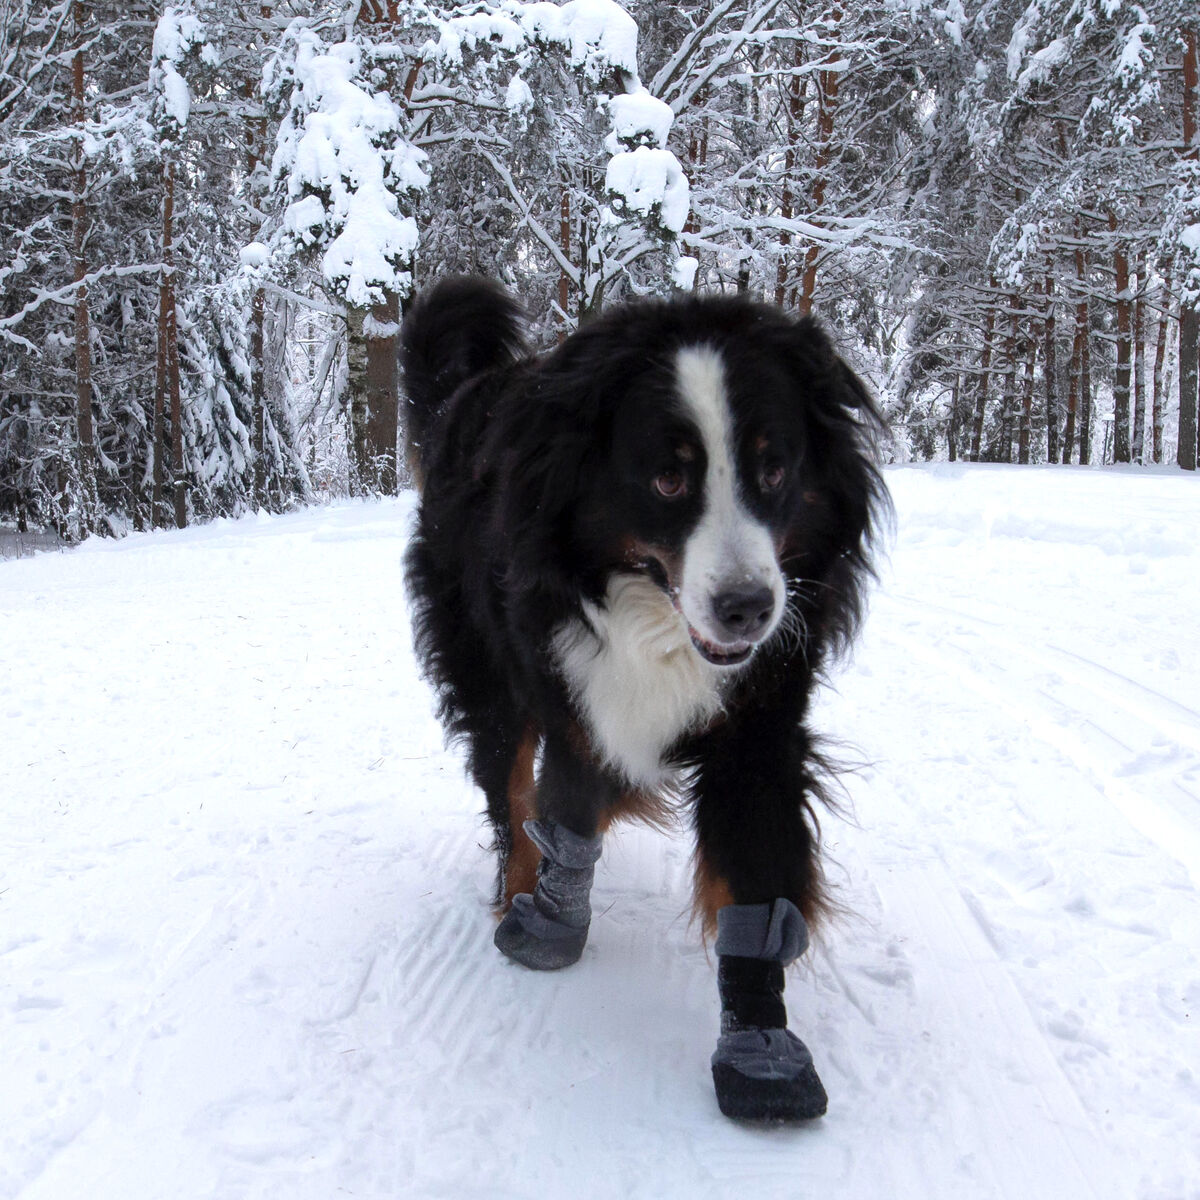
{"x": 244, "y": 942}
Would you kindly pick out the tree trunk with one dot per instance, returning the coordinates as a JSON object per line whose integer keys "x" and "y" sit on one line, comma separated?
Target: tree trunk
{"x": 382, "y": 330}
{"x": 1138, "y": 449}
{"x": 1156, "y": 382}
{"x": 179, "y": 488}
{"x": 985, "y": 378}
{"x": 89, "y": 500}
{"x": 564, "y": 244}
{"x": 1121, "y": 377}
{"x": 258, "y": 395}
{"x": 1008, "y": 406}
{"x": 1085, "y": 387}
{"x": 1026, "y": 422}
{"x": 1189, "y": 312}
{"x": 166, "y": 322}
{"x": 954, "y": 433}
{"x": 827, "y": 92}
{"x": 795, "y": 108}
{"x": 1050, "y": 371}
{"x": 356, "y": 400}
{"x": 1068, "y": 441}
{"x": 1189, "y": 377}
{"x": 256, "y": 140}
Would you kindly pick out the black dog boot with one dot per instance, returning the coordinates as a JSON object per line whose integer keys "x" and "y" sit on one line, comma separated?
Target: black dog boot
{"x": 549, "y": 929}
{"x": 761, "y": 1070}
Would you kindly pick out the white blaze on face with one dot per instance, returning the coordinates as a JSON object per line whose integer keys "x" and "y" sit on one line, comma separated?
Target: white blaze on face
{"x": 729, "y": 549}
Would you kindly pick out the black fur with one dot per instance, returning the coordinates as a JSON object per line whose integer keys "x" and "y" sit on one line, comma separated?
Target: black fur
{"x": 535, "y": 473}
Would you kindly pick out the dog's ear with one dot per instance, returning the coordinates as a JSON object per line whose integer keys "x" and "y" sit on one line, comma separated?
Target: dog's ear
{"x": 844, "y": 430}
{"x": 842, "y": 401}
{"x": 554, "y": 436}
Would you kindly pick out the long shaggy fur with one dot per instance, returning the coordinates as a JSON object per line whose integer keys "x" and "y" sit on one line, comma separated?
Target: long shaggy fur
{"x": 549, "y": 517}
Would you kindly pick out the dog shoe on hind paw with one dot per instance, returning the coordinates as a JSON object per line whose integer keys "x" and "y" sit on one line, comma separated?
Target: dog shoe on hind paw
{"x": 530, "y": 937}
{"x": 767, "y": 1075}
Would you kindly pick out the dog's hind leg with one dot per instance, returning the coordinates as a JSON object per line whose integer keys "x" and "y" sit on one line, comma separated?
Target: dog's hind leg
{"x": 520, "y": 855}
{"x": 546, "y": 927}
{"x": 501, "y": 754}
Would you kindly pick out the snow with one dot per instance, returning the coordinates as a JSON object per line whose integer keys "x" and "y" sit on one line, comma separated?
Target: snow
{"x": 1043, "y": 64}
{"x": 648, "y": 180}
{"x": 639, "y": 118}
{"x": 1135, "y": 54}
{"x": 683, "y": 272}
{"x": 346, "y": 166}
{"x": 245, "y": 947}
{"x": 177, "y": 34}
{"x": 254, "y": 254}
{"x": 518, "y": 97}
{"x": 599, "y": 36}
{"x": 599, "y": 39}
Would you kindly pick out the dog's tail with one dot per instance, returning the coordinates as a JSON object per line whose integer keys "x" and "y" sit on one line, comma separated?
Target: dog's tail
{"x": 458, "y": 329}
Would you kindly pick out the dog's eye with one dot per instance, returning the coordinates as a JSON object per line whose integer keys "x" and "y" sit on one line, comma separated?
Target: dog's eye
{"x": 771, "y": 476}
{"x": 671, "y": 485}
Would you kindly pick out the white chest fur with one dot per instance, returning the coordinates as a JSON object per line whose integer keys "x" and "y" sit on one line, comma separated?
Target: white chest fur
{"x": 638, "y": 680}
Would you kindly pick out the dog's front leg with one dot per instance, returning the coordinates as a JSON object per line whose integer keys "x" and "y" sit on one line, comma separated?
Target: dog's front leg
{"x": 756, "y": 875}
{"x": 548, "y": 928}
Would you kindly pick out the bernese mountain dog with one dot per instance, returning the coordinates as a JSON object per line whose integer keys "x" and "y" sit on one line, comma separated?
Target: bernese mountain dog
{"x": 632, "y": 556}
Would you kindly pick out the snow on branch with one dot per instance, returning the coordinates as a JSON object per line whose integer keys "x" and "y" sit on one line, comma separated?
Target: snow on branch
{"x": 67, "y": 295}
{"x": 648, "y": 182}
{"x": 348, "y": 169}
{"x": 598, "y": 36}
{"x": 644, "y": 183}
{"x": 179, "y": 39}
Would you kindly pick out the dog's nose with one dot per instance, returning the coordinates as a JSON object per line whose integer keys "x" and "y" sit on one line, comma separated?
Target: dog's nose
{"x": 744, "y": 613}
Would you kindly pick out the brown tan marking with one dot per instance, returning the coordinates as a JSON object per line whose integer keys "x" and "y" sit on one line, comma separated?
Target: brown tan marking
{"x": 710, "y": 893}
{"x": 520, "y": 868}
{"x": 640, "y": 804}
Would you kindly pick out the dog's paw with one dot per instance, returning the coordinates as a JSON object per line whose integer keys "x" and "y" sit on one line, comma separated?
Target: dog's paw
{"x": 528, "y": 936}
{"x": 767, "y": 1075}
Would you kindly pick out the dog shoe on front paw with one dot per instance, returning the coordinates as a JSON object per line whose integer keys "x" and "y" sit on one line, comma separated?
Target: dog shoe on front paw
{"x": 767, "y": 1075}
{"x": 530, "y": 937}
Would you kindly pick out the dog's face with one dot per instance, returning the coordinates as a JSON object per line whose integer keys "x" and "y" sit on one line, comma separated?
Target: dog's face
{"x": 700, "y": 501}
{"x": 713, "y": 447}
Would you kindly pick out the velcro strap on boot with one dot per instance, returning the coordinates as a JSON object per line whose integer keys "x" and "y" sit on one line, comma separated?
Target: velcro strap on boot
{"x": 776, "y": 930}
{"x": 566, "y": 873}
{"x": 751, "y": 993}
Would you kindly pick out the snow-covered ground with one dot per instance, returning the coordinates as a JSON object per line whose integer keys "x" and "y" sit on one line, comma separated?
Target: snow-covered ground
{"x": 245, "y": 949}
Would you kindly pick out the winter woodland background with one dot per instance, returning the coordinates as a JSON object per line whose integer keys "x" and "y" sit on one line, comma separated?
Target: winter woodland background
{"x": 212, "y": 216}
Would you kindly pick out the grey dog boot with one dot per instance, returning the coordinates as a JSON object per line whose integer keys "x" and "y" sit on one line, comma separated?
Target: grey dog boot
{"x": 548, "y": 930}
{"x": 761, "y": 1070}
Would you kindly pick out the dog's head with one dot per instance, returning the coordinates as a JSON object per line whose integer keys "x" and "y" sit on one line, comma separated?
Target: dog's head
{"x": 715, "y": 445}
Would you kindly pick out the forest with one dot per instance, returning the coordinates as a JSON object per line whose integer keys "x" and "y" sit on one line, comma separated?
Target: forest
{"x": 213, "y": 215}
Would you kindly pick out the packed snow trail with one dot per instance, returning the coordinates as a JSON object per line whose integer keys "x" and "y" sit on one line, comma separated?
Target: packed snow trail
{"x": 245, "y": 949}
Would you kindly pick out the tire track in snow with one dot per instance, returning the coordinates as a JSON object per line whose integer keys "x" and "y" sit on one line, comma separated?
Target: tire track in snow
{"x": 1046, "y": 1147}
{"x": 1156, "y": 709}
{"x": 1023, "y": 702}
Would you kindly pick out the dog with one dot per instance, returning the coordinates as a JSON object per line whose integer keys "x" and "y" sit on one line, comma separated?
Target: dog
{"x": 632, "y": 557}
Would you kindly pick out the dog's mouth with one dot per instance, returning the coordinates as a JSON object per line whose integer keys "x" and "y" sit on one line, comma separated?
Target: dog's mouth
{"x": 732, "y": 655}
{"x": 720, "y": 654}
